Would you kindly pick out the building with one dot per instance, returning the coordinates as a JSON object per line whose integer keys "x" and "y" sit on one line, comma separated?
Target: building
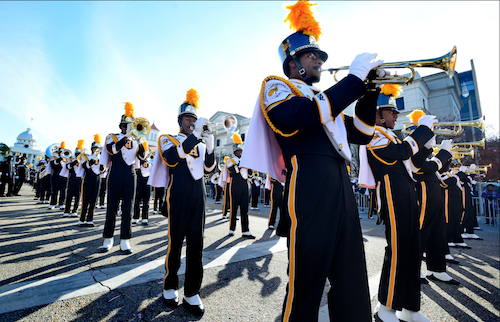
{"x": 223, "y": 141}
{"x": 152, "y": 138}
{"x": 26, "y": 146}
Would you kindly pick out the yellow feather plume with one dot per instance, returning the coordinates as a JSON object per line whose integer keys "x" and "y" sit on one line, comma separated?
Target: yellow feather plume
{"x": 129, "y": 109}
{"x": 416, "y": 115}
{"x": 145, "y": 145}
{"x": 80, "y": 144}
{"x": 192, "y": 98}
{"x": 237, "y": 138}
{"x": 392, "y": 90}
{"x": 97, "y": 138}
{"x": 301, "y": 19}
{"x": 63, "y": 145}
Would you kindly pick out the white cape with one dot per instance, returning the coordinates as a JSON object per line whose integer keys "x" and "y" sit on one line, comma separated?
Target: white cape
{"x": 366, "y": 178}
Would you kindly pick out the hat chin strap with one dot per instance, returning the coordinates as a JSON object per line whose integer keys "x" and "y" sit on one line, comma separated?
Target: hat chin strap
{"x": 302, "y": 71}
{"x": 382, "y": 120}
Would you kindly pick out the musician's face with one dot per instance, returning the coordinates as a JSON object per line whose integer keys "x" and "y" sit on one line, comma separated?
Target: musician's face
{"x": 186, "y": 123}
{"x": 237, "y": 153}
{"x": 311, "y": 62}
{"x": 123, "y": 127}
{"x": 390, "y": 118}
{"x": 93, "y": 150}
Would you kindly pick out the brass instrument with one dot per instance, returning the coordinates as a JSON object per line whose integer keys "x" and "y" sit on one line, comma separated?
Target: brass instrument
{"x": 255, "y": 173}
{"x": 221, "y": 165}
{"x": 446, "y": 128}
{"x": 66, "y": 153}
{"x": 52, "y": 150}
{"x": 151, "y": 154}
{"x": 463, "y": 147}
{"x": 80, "y": 156}
{"x": 461, "y": 155}
{"x": 230, "y": 123}
{"x": 445, "y": 62}
{"x": 478, "y": 169}
{"x": 139, "y": 128}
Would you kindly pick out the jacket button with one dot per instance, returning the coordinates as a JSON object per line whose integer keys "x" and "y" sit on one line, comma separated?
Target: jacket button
{"x": 332, "y": 133}
{"x": 340, "y": 145}
{"x": 191, "y": 169}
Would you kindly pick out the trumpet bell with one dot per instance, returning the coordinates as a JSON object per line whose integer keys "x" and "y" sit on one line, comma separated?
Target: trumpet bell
{"x": 52, "y": 150}
{"x": 139, "y": 128}
{"x": 230, "y": 123}
{"x": 221, "y": 165}
{"x": 66, "y": 153}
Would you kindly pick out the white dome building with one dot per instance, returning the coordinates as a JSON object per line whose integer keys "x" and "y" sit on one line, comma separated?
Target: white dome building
{"x": 26, "y": 145}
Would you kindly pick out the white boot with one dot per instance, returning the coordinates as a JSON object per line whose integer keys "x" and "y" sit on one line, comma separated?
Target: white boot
{"x": 385, "y": 314}
{"x": 194, "y": 305}
{"x": 411, "y": 316}
{"x": 106, "y": 245}
{"x": 171, "y": 298}
{"x": 442, "y": 276}
{"x": 125, "y": 246}
{"x": 448, "y": 256}
{"x": 451, "y": 244}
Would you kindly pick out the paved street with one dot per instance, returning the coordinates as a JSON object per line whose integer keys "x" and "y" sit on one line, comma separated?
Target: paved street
{"x": 50, "y": 270}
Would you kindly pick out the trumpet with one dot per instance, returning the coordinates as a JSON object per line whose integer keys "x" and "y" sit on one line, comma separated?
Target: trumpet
{"x": 230, "y": 123}
{"x": 446, "y": 128}
{"x": 139, "y": 128}
{"x": 446, "y": 62}
{"x": 482, "y": 169}
{"x": 461, "y": 155}
{"x": 462, "y": 147}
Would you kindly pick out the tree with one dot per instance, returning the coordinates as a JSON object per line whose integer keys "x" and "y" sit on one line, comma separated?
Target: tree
{"x": 4, "y": 149}
{"x": 491, "y": 155}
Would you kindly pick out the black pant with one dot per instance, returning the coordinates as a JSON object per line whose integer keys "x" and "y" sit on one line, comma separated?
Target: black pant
{"x": 17, "y": 185}
{"x": 45, "y": 188}
{"x": 6, "y": 180}
{"x": 433, "y": 225}
{"x": 159, "y": 198}
{"x": 267, "y": 196}
{"x": 186, "y": 209}
{"x": 218, "y": 192}
{"x": 121, "y": 185}
{"x": 142, "y": 193}
{"x": 324, "y": 241}
{"x": 226, "y": 201}
{"x": 239, "y": 198}
{"x": 58, "y": 186}
{"x": 74, "y": 189}
{"x": 102, "y": 191}
{"x": 255, "y": 196}
{"x": 276, "y": 193}
{"x": 90, "y": 190}
{"x": 454, "y": 210}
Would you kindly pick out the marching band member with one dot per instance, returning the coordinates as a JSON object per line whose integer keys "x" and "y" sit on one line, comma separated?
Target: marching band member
{"x": 267, "y": 192}
{"x": 388, "y": 164}
{"x": 74, "y": 182}
{"x": 225, "y": 183}
{"x": 143, "y": 190}
{"x": 183, "y": 160}
{"x": 8, "y": 172}
{"x": 44, "y": 179}
{"x": 296, "y": 130}
{"x": 57, "y": 179}
{"x": 20, "y": 176}
{"x": 218, "y": 190}
{"x": 254, "y": 192}
{"x": 238, "y": 189}
{"x": 120, "y": 157}
{"x": 102, "y": 189}
{"x": 91, "y": 183}
{"x": 276, "y": 201}
{"x": 430, "y": 189}
{"x": 469, "y": 217}
{"x": 159, "y": 199}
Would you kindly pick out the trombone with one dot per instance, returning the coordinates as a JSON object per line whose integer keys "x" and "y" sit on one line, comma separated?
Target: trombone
{"x": 446, "y": 62}
{"x": 447, "y": 128}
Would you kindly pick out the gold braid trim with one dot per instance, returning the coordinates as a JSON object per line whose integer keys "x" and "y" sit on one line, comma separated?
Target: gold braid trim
{"x": 295, "y": 91}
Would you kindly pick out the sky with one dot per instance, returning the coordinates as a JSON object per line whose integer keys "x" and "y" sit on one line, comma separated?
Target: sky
{"x": 67, "y": 68}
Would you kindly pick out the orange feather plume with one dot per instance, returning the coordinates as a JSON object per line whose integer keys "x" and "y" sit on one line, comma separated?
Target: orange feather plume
{"x": 129, "y": 110}
{"x": 63, "y": 145}
{"x": 80, "y": 144}
{"x": 97, "y": 138}
{"x": 192, "y": 97}
{"x": 416, "y": 115}
{"x": 237, "y": 138}
{"x": 145, "y": 145}
{"x": 392, "y": 90}
{"x": 301, "y": 19}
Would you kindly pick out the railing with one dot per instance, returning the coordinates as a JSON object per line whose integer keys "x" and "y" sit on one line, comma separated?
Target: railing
{"x": 484, "y": 207}
{"x": 363, "y": 202}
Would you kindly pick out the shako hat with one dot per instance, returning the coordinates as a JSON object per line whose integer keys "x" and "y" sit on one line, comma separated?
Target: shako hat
{"x": 387, "y": 97}
{"x": 97, "y": 141}
{"x": 129, "y": 113}
{"x": 304, "y": 39}
{"x": 190, "y": 106}
{"x": 238, "y": 143}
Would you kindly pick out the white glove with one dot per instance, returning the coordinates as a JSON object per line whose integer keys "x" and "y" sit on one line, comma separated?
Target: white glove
{"x": 446, "y": 145}
{"x": 473, "y": 181}
{"x": 381, "y": 73}
{"x": 427, "y": 120}
{"x": 198, "y": 127}
{"x": 463, "y": 168}
{"x": 362, "y": 64}
{"x": 432, "y": 142}
{"x": 472, "y": 166}
{"x": 127, "y": 134}
{"x": 209, "y": 141}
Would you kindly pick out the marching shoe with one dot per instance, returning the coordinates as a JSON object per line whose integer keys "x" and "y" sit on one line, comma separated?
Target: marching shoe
{"x": 271, "y": 227}
{"x": 81, "y": 223}
{"x": 385, "y": 314}
{"x": 51, "y": 207}
{"x": 61, "y": 207}
{"x": 423, "y": 280}
{"x": 442, "y": 277}
{"x": 474, "y": 236}
{"x": 465, "y": 236}
{"x": 125, "y": 246}
{"x": 450, "y": 259}
{"x": 119, "y": 213}
{"x": 74, "y": 214}
{"x": 248, "y": 235}
{"x": 102, "y": 207}
{"x": 39, "y": 202}
{"x": 477, "y": 228}
{"x": 90, "y": 224}
{"x": 225, "y": 217}
{"x": 194, "y": 305}
{"x": 106, "y": 245}
{"x": 135, "y": 221}
{"x": 66, "y": 214}
{"x": 171, "y": 298}
{"x": 145, "y": 222}
{"x": 463, "y": 245}
{"x": 451, "y": 244}
{"x": 411, "y": 316}
{"x": 46, "y": 201}
{"x": 231, "y": 233}
{"x": 155, "y": 211}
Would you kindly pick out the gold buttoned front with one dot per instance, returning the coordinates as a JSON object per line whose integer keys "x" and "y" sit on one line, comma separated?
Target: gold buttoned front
{"x": 340, "y": 145}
